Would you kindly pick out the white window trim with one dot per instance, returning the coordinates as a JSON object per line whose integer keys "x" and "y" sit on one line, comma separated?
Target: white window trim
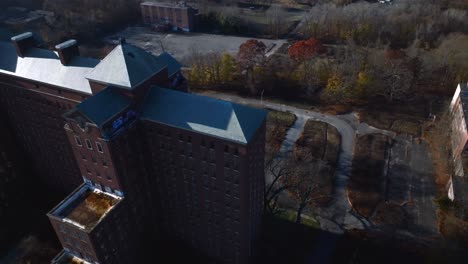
{"x": 89, "y": 146}
{"x": 99, "y": 147}
{"x": 78, "y": 141}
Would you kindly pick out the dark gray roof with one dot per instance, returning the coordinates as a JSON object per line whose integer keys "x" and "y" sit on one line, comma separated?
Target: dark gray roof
{"x": 66, "y": 44}
{"x": 5, "y": 34}
{"x": 173, "y": 65}
{"x": 202, "y": 114}
{"x": 104, "y": 105}
{"x": 126, "y": 66}
{"x": 44, "y": 66}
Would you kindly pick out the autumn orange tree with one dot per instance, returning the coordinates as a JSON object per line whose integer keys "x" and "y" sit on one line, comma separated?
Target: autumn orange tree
{"x": 251, "y": 56}
{"x": 305, "y": 49}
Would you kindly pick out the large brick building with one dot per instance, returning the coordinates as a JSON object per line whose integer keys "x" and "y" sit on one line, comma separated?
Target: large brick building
{"x": 141, "y": 159}
{"x": 179, "y": 16}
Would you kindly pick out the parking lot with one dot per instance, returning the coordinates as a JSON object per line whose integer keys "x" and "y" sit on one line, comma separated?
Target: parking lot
{"x": 182, "y": 45}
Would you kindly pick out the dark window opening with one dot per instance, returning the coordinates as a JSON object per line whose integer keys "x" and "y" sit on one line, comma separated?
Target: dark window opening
{"x": 99, "y": 147}
{"x": 88, "y": 144}
{"x": 78, "y": 141}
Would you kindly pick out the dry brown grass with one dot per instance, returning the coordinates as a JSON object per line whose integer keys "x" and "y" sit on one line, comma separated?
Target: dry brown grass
{"x": 91, "y": 209}
{"x": 439, "y": 147}
{"x": 367, "y": 173}
{"x": 452, "y": 227}
{"x": 320, "y": 141}
{"x": 390, "y": 214}
{"x": 277, "y": 125}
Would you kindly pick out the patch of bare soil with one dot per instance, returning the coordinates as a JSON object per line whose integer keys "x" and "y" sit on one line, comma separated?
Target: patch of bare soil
{"x": 453, "y": 227}
{"x": 400, "y": 118}
{"x": 364, "y": 188}
{"x": 391, "y": 214}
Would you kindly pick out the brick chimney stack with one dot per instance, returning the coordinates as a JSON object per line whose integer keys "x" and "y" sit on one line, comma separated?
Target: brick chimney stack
{"x": 67, "y": 50}
{"x": 23, "y": 42}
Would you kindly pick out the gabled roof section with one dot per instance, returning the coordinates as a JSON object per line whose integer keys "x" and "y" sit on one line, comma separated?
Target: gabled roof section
{"x": 173, "y": 65}
{"x": 126, "y": 66}
{"x": 202, "y": 114}
{"x": 44, "y": 66}
{"x": 104, "y": 105}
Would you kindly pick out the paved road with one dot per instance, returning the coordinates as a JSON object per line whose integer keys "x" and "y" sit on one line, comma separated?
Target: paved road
{"x": 184, "y": 45}
{"x": 337, "y": 216}
{"x": 416, "y": 185}
{"x": 410, "y": 181}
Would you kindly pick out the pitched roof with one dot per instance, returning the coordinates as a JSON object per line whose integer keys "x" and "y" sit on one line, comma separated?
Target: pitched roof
{"x": 173, "y": 65}
{"x": 202, "y": 114}
{"x": 44, "y": 66}
{"x": 104, "y": 105}
{"x": 126, "y": 66}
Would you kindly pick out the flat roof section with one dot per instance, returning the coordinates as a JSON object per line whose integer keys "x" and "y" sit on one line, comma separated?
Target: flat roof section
{"x": 44, "y": 66}
{"x": 86, "y": 207}
{"x": 91, "y": 208}
{"x": 64, "y": 257}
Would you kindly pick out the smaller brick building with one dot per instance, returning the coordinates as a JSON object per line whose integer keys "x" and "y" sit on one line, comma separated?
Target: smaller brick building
{"x": 458, "y": 184}
{"x": 179, "y": 16}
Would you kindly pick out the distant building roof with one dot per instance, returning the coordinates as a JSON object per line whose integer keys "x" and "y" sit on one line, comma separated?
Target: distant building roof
{"x": 126, "y": 66}
{"x": 173, "y": 65}
{"x": 202, "y": 114}
{"x": 104, "y": 105}
{"x": 182, "y": 5}
{"x": 44, "y": 66}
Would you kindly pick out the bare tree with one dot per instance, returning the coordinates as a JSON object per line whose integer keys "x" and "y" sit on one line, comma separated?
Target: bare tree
{"x": 305, "y": 184}
{"x": 276, "y": 169}
{"x": 396, "y": 80}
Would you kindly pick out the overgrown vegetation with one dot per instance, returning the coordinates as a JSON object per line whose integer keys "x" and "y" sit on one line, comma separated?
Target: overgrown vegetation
{"x": 277, "y": 125}
{"x": 369, "y": 52}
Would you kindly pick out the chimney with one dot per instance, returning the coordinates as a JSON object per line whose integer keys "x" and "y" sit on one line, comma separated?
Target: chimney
{"x": 67, "y": 50}
{"x": 23, "y": 42}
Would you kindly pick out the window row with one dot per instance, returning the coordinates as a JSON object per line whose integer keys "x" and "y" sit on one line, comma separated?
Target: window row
{"x": 89, "y": 145}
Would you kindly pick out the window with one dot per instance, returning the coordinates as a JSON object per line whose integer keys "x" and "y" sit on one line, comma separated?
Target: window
{"x": 99, "y": 147}
{"x": 82, "y": 237}
{"x": 104, "y": 163}
{"x": 62, "y": 229}
{"x": 93, "y": 159}
{"x": 78, "y": 141}
{"x": 88, "y": 144}
{"x": 212, "y": 145}
{"x": 226, "y": 148}
{"x": 108, "y": 177}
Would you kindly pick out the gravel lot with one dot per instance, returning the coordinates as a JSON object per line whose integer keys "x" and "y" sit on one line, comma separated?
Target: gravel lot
{"x": 182, "y": 45}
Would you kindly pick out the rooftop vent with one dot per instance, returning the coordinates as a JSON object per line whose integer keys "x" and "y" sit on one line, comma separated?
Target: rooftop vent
{"x": 67, "y": 50}
{"x": 23, "y": 42}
